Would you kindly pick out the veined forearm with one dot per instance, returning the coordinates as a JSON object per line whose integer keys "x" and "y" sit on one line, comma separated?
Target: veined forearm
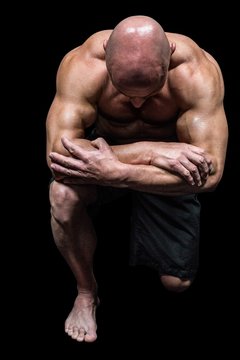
{"x": 154, "y": 180}
{"x": 173, "y": 164}
{"x": 134, "y": 153}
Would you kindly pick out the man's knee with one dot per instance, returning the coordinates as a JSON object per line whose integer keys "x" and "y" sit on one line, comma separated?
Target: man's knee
{"x": 175, "y": 284}
{"x": 65, "y": 195}
{"x": 62, "y": 195}
{"x": 68, "y": 201}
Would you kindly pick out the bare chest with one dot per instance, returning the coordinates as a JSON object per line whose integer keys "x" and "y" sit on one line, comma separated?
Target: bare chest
{"x": 120, "y": 120}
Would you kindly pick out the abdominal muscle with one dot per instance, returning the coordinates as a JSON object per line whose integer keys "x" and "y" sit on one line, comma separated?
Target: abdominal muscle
{"x": 135, "y": 129}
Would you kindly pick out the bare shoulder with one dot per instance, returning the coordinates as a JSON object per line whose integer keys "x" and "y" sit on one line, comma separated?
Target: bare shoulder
{"x": 193, "y": 69}
{"x": 83, "y": 68}
{"x": 189, "y": 52}
{"x": 91, "y": 49}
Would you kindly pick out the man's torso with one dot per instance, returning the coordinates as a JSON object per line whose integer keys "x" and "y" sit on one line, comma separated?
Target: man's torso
{"x": 120, "y": 120}
{"x": 156, "y": 119}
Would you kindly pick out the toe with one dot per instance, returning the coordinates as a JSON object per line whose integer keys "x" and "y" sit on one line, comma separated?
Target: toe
{"x": 75, "y": 333}
{"x": 69, "y": 330}
{"x": 81, "y": 335}
{"x": 90, "y": 337}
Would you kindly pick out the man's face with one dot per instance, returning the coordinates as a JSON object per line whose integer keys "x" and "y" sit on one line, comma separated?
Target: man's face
{"x": 138, "y": 95}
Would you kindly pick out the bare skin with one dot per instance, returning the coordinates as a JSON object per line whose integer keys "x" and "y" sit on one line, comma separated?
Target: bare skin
{"x": 81, "y": 322}
{"x": 159, "y": 98}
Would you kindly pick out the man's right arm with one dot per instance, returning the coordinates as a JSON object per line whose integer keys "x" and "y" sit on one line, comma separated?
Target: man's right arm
{"x": 66, "y": 119}
{"x": 71, "y": 112}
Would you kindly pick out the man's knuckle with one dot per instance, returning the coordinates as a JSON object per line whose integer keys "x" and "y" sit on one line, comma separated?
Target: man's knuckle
{"x": 187, "y": 173}
{"x": 194, "y": 169}
{"x": 174, "y": 163}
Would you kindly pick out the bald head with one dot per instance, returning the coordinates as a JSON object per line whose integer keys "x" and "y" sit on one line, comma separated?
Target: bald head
{"x": 137, "y": 52}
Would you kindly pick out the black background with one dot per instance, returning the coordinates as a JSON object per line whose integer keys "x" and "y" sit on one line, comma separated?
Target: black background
{"x": 136, "y": 314}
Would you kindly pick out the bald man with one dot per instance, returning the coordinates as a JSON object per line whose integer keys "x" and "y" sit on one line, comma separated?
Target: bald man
{"x": 154, "y": 104}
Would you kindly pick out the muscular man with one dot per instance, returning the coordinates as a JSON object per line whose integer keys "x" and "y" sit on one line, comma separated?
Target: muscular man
{"x": 154, "y": 104}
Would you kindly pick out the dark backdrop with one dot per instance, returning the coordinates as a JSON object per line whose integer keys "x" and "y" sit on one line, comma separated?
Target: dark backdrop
{"x": 135, "y": 312}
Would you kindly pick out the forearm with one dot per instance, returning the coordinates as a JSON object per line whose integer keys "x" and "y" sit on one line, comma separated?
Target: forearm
{"x": 145, "y": 169}
{"x": 188, "y": 162}
{"x": 135, "y": 153}
{"x": 154, "y": 180}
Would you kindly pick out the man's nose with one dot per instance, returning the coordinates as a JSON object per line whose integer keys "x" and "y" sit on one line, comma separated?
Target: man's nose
{"x": 137, "y": 102}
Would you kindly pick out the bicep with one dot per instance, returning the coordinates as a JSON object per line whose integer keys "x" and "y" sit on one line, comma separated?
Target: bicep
{"x": 66, "y": 118}
{"x": 71, "y": 111}
{"x": 206, "y": 128}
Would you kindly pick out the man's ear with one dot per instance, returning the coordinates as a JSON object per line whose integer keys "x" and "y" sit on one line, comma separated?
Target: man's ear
{"x": 105, "y": 44}
{"x": 172, "y": 47}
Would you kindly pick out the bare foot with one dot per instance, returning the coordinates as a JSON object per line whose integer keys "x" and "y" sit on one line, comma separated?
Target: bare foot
{"x": 81, "y": 322}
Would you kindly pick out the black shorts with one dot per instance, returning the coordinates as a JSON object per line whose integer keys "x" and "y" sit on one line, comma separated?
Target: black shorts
{"x": 164, "y": 231}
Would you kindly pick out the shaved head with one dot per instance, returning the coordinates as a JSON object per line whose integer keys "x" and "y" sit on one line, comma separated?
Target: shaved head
{"x": 137, "y": 53}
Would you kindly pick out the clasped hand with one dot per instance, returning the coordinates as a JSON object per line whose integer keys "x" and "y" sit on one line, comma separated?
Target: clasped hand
{"x": 96, "y": 166}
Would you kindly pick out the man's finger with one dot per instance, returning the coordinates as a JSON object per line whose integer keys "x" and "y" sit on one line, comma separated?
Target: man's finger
{"x": 65, "y": 161}
{"x": 75, "y": 150}
{"x": 64, "y": 171}
{"x": 100, "y": 143}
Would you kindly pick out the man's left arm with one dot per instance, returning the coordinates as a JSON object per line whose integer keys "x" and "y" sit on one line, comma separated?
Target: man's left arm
{"x": 207, "y": 128}
{"x": 203, "y": 121}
